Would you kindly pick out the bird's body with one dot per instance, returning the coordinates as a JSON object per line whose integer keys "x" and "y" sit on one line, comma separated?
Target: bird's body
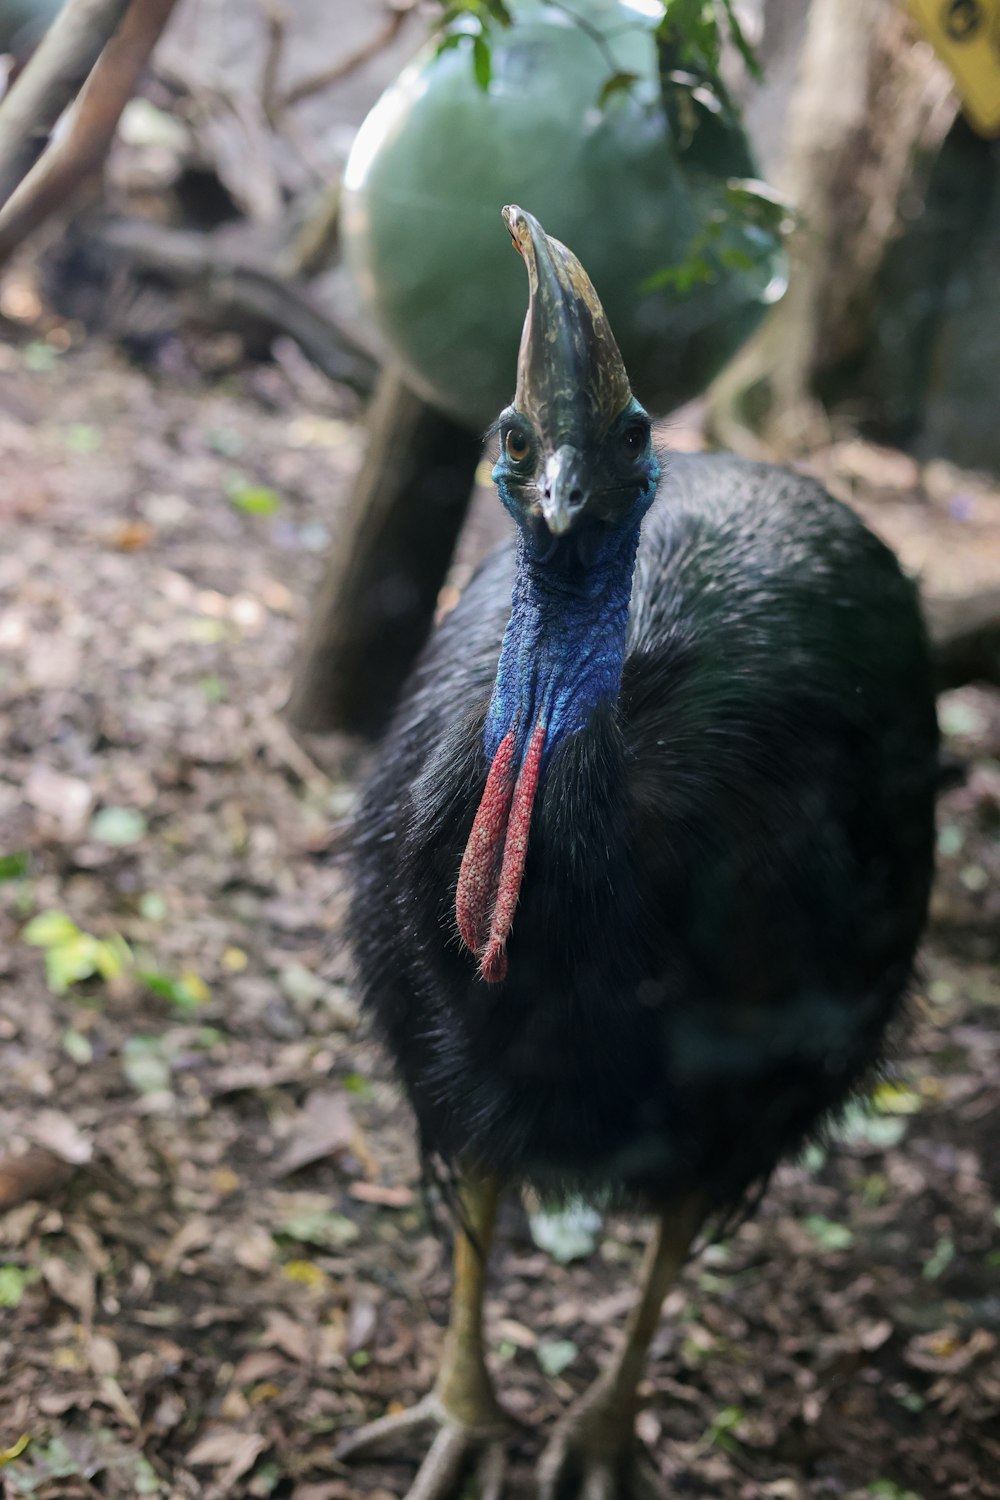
{"x": 727, "y": 871}
{"x": 641, "y": 871}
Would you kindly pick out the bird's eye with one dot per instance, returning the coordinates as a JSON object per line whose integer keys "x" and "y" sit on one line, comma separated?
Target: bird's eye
{"x": 634, "y": 440}
{"x": 517, "y": 445}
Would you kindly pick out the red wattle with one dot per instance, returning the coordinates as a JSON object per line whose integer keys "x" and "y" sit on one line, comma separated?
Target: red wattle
{"x": 489, "y": 881}
{"x": 477, "y": 879}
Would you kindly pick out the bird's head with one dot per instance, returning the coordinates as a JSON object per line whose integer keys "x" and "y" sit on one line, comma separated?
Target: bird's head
{"x": 575, "y": 450}
{"x": 577, "y": 472}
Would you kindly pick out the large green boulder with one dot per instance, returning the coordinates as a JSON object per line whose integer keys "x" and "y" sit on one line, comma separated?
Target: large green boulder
{"x": 659, "y": 221}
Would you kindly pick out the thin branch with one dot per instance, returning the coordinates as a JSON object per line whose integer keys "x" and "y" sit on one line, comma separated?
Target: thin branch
{"x": 306, "y": 87}
{"x": 51, "y": 80}
{"x": 91, "y": 129}
{"x": 276, "y": 18}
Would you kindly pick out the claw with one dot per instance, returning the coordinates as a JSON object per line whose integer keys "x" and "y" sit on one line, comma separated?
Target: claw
{"x": 454, "y": 1447}
{"x": 572, "y": 1469}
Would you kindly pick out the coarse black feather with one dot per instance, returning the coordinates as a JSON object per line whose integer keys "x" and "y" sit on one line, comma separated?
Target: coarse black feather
{"x": 727, "y": 873}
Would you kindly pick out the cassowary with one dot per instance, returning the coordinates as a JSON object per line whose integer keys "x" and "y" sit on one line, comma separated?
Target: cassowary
{"x": 642, "y": 867}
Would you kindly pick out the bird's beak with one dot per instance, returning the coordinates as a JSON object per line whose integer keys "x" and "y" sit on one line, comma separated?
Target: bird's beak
{"x": 564, "y": 489}
{"x": 571, "y": 382}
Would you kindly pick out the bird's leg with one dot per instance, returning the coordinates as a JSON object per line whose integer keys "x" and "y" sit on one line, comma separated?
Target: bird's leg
{"x": 593, "y": 1453}
{"x": 461, "y": 1412}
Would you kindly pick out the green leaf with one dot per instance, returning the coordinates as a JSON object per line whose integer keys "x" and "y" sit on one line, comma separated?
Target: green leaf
{"x": 737, "y": 260}
{"x": 77, "y": 1047}
{"x": 555, "y": 1355}
{"x": 187, "y": 993}
{"x": 939, "y": 1259}
{"x": 213, "y": 689}
{"x": 68, "y": 963}
{"x": 13, "y": 866}
{"x": 827, "y": 1233}
{"x": 225, "y": 440}
{"x": 253, "y": 499}
{"x": 112, "y": 956}
{"x": 146, "y": 1481}
{"x": 39, "y": 358}
{"x": 357, "y": 1084}
{"x": 50, "y": 928}
{"x": 740, "y": 42}
{"x": 7, "y": 1455}
{"x": 959, "y": 718}
{"x": 720, "y": 1430}
{"x": 617, "y": 83}
{"x": 892, "y": 1098}
{"x": 321, "y": 1228}
{"x": 950, "y": 840}
{"x": 860, "y": 1126}
{"x": 118, "y": 827}
{"x": 14, "y": 1282}
{"x": 482, "y": 63}
{"x": 145, "y": 1067}
{"x": 83, "y": 437}
{"x": 567, "y": 1234}
{"x": 152, "y": 906}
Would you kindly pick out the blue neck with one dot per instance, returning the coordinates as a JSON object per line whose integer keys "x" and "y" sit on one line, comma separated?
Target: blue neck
{"x": 564, "y": 647}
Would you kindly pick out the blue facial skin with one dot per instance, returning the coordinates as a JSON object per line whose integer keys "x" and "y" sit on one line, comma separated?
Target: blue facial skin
{"x": 564, "y": 648}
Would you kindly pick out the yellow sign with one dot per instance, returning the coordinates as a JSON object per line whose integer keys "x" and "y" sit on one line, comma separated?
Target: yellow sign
{"x": 966, "y": 36}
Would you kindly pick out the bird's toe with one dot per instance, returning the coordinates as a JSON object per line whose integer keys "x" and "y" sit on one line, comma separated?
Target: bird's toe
{"x": 456, "y": 1450}
{"x": 570, "y": 1469}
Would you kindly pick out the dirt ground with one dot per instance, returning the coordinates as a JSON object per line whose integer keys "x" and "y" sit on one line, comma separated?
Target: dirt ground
{"x": 216, "y": 1258}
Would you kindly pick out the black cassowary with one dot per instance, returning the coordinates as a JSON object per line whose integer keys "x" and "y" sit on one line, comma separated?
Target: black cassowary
{"x": 642, "y": 867}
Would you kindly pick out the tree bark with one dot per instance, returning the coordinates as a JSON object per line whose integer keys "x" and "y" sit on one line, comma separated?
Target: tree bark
{"x": 870, "y": 105}
{"x": 50, "y": 81}
{"x": 110, "y": 85}
{"x": 376, "y": 605}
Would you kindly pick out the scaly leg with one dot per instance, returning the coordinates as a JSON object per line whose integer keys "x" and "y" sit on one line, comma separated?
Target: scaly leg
{"x": 593, "y": 1453}
{"x": 461, "y": 1410}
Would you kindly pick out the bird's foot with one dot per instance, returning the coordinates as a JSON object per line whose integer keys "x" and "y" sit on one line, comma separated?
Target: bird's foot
{"x": 456, "y": 1446}
{"x": 592, "y": 1457}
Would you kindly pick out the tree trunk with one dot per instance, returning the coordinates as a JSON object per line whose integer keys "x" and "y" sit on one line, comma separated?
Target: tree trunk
{"x": 376, "y": 604}
{"x": 870, "y": 106}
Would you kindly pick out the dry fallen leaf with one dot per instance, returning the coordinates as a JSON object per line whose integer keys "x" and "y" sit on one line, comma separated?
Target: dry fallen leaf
{"x": 324, "y": 1128}
{"x": 65, "y": 799}
{"x": 35, "y": 1174}
{"x": 385, "y": 1196}
{"x": 59, "y": 1134}
{"x": 238, "y": 1450}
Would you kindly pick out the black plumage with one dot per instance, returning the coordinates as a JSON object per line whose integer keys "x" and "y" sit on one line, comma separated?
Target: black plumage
{"x": 641, "y": 872}
{"x": 728, "y": 869}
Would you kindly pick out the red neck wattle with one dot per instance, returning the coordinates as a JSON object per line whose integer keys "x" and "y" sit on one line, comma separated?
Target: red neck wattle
{"x": 489, "y": 881}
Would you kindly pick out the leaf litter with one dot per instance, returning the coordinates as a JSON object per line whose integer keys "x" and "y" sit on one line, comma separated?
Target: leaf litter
{"x": 214, "y": 1252}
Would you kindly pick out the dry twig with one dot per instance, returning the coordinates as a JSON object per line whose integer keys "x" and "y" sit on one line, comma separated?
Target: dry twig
{"x": 314, "y": 84}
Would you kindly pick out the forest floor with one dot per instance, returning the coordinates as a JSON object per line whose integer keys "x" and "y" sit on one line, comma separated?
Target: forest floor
{"x": 214, "y": 1256}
